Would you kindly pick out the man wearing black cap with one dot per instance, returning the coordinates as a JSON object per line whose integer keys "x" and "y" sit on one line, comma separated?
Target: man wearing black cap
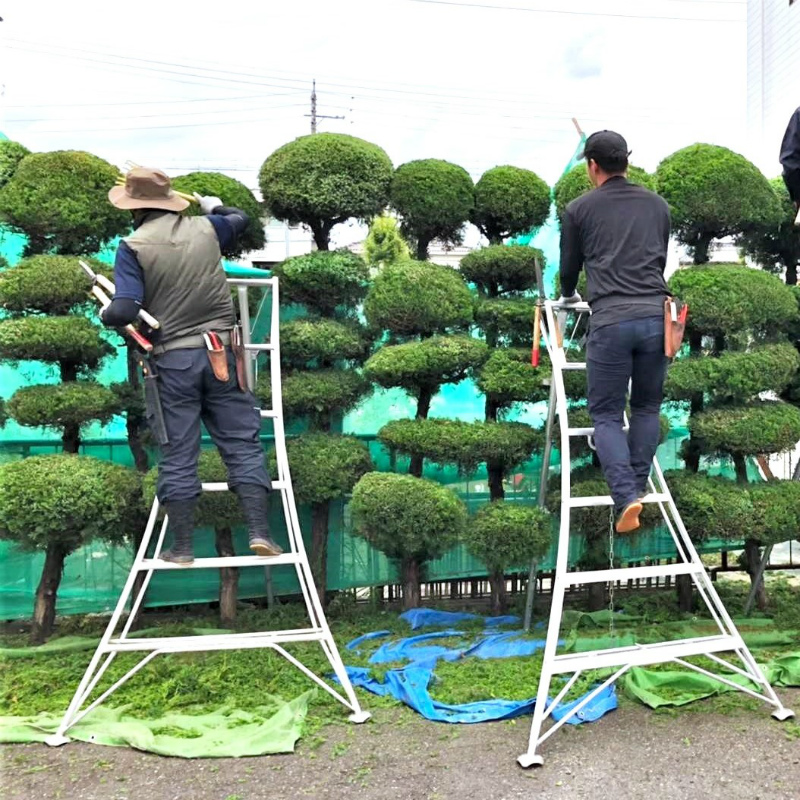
{"x": 619, "y": 233}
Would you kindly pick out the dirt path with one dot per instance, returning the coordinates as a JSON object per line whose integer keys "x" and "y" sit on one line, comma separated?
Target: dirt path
{"x": 630, "y": 754}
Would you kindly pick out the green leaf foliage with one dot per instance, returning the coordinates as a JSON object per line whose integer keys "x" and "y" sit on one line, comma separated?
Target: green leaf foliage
{"x": 576, "y": 182}
{"x": 728, "y": 298}
{"x": 713, "y": 192}
{"x": 427, "y": 364}
{"x": 384, "y": 243}
{"x": 465, "y": 444}
{"x": 53, "y": 339}
{"x": 324, "y": 466}
{"x": 50, "y": 284}
{"x": 59, "y": 200}
{"x": 60, "y": 404}
{"x": 733, "y": 376}
{"x": 324, "y": 281}
{"x": 321, "y": 341}
{"x": 3, "y": 413}
{"x": 232, "y": 193}
{"x": 508, "y": 377}
{"x": 417, "y": 298}
{"x": 504, "y": 535}
{"x": 502, "y": 269}
{"x": 324, "y": 179}
{"x": 67, "y": 499}
{"x": 407, "y": 517}
{"x": 759, "y": 427}
{"x": 214, "y": 509}
{"x": 434, "y": 199}
{"x": 776, "y": 512}
{"x": 318, "y": 393}
{"x": 11, "y": 153}
{"x": 509, "y": 201}
{"x": 508, "y": 319}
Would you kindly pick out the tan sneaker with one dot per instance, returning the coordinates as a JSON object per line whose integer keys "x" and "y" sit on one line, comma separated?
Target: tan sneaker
{"x": 628, "y": 520}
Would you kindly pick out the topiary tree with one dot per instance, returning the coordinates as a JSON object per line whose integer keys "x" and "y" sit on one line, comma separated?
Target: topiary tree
{"x": 434, "y": 200}
{"x": 59, "y": 201}
{"x": 504, "y": 535}
{"x": 737, "y": 351}
{"x": 321, "y": 358}
{"x": 11, "y": 153}
{"x": 325, "y": 179}
{"x": 776, "y": 248}
{"x": 571, "y": 185}
{"x": 509, "y": 201}
{"x": 713, "y": 192}
{"x": 54, "y": 285}
{"x": 56, "y": 504}
{"x": 384, "y": 244}
{"x": 410, "y": 519}
{"x": 232, "y": 193}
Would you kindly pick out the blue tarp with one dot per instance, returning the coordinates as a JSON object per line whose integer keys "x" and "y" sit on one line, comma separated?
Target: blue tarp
{"x": 410, "y": 683}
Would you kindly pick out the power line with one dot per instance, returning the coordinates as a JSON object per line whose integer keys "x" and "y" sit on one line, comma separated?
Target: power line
{"x": 156, "y": 102}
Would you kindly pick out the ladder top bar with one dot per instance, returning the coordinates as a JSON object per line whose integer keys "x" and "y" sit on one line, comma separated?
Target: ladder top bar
{"x": 631, "y": 573}
{"x": 600, "y": 500}
{"x": 223, "y": 487}
{"x": 221, "y": 562}
{"x": 252, "y": 281}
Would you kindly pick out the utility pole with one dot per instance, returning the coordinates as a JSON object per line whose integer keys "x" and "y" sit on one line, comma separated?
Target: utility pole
{"x": 314, "y": 116}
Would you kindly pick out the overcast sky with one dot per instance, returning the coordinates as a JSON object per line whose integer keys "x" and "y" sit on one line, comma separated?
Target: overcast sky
{"x": 188, "y": 85}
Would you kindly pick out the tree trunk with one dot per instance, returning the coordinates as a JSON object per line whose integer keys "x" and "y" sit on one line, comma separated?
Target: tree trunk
{"x": 740, "y": 465}
{"x": 71, "y": 434}
{"x": 228, "y": 577}
{"x": 422, "y": 249}
{"x": 44, "y": 609}
{"x": 319, "y": 547}
{"x": 321, "y": 236}
{"x": 791, "y": 275}
{"x": 596, "y": 597}
{"x": 752, "y": 555}
{"x": 491, "y": 409}
{"x": 411, "y": 573}
{"x": 499, "y": 597}
{"x": 684, "y": 589}
{"x": 423, "y": 407}
{"x": 700, "y": 250}
{"x": 495, "y": 473}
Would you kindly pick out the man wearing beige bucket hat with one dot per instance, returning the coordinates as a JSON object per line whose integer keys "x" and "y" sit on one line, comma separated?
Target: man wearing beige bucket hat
{"x": 171, "y": 264}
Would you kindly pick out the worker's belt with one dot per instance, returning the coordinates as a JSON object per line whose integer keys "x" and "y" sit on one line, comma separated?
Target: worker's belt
{"x": 193, "y": 342}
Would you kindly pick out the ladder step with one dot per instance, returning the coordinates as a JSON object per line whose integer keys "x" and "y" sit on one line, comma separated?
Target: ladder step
{"x": 587, "y": 431}
{"x": 576, "y": 365}
{"x": 640, "y": 655}
{"x": 220, "y": 641}
{"x": 216, "y": 563}
{"x": 223, "y": 487}
{"x": 631, "y": 573}
{"x": 260, "y": 347}
{"x": 587, "y": 502}
{"x": 269, "y": 414}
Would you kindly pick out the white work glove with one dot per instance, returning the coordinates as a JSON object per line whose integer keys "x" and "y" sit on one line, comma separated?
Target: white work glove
{"x": 576, "y": 298}
{"x": 208, "y": 204}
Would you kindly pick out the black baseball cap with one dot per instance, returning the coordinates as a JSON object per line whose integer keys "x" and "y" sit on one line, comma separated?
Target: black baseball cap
{"x": 606, "y": 145}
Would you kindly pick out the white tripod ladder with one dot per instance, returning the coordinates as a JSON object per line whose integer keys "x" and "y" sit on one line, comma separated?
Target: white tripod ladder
{"x": 318, "y": 630}
{"x": 727, "y": 639}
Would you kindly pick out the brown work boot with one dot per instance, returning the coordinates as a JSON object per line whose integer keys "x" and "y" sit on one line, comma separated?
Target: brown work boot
{"x": 628, "y": 518}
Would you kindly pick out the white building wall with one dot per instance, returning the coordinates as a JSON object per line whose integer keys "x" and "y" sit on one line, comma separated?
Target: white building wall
{"x": 773, "y": 77}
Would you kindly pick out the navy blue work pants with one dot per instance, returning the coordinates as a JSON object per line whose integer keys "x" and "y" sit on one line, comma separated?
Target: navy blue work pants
{"x": 633, "y": 351}
{"x": 190, "y": 394}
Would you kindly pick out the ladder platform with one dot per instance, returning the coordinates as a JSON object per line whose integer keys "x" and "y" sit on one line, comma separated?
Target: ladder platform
{"x": 220, "y": 562}
{"x": 606, "y": 500}
{"x": 260, "y": 347}
{"x": 641, "y": 655}
{"x": 573, "y": 365}
{"x": 631, "y": 573}
{"x": 268, "y": 414}
{"x": 224, "y": 641}
{"x": 223, "y": 487}
{"x": 587, "y": 431}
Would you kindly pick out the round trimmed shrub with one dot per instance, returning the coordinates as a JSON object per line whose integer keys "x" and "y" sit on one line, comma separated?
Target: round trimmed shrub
{"x": 417, "y": 298}
{"x": 726, "y": 298}
{"x": 323, "y": 280}
{"x": 321, "y": 340}
{"x": 506, "y": 319}
{"x": 51, "y": 284}
{"x": 232, "y": 193}
{"x": 426, "y": 364}
{"x": 384, "y": 244}
{"x": 508, "y": 377}
{"x": 776, "y": 512}
{"x": 509, "y": 201}
{"x": 59, "y": 200}
{"x": 500, "y": 269}
{"x": 465, "y": 444}
{"x": 324, "y": 179}
{"x": 61, "y": 404}
{"x": 737, "y": 376}
{"x": 760, "y": 427}
{"x": 53, "y": 339}
{"x": 11, "y": 153}
{"x": 575, "y": 183}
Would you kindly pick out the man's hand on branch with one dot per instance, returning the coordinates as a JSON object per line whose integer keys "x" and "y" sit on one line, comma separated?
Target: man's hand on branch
{"x": 207, "y": 204}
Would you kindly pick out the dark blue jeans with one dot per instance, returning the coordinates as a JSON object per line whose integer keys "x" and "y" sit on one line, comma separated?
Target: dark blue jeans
{"x": 632, "y": 350}
{"x": 190, "y": 393}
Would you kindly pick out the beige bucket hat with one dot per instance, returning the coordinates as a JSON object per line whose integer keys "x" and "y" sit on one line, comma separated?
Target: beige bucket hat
{"x": 146, "y": 188}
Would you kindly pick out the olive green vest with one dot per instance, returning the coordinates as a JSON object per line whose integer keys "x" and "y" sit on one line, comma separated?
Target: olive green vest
{"x": 184, "y": 283}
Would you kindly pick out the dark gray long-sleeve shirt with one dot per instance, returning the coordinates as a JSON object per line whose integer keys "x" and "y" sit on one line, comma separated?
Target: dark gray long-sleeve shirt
{"x": 619, "y": 233}
{"x": 790, "y": 157}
